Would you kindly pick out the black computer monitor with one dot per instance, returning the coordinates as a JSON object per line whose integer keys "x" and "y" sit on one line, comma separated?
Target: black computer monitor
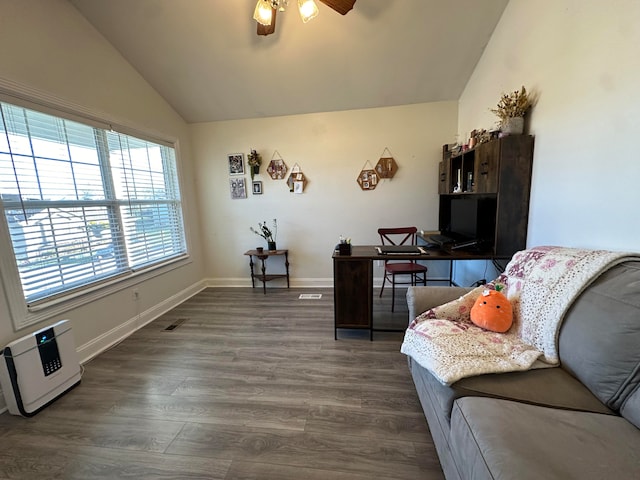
{"x": 464, "y": 218}
{"x": 472, "y": 218}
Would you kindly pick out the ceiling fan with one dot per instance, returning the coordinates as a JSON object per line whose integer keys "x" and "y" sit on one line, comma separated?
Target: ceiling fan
{"x": 266, "y": 10}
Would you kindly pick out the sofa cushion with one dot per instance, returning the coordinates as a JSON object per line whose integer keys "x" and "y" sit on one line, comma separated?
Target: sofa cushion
{"x": 631, "y": 408}
{"x": 510, "y": 440}
{"x": 421, "y": 299}
{"x": 599, "y": 338}
{"x": 552, "y": 387}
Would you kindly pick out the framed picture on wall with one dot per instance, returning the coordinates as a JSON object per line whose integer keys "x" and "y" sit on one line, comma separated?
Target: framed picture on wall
{"x": 236, "y": 163}
{"x": 238, "y": 188}
{"x": 257, "y": 187}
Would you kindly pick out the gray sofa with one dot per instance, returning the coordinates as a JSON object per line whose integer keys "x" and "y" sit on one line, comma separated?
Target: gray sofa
{"x": 578, "y": 421}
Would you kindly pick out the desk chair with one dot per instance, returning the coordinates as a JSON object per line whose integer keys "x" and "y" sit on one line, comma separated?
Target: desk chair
{"x": 417, "y": 272}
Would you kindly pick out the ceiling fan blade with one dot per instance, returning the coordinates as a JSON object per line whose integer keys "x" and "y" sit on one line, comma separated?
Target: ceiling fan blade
{"x": 340, "y": 6}
{"x": 268, "y": 29}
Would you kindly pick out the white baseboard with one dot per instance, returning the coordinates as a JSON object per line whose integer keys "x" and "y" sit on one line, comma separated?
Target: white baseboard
{"x": 228, "y": 282}
{"x": 293, "y": 282}
{"x": 99, "y": 344}
{"x": 312, "y": 282}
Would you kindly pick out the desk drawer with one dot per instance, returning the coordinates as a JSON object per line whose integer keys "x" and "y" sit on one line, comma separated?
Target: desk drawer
{"x": 353, "y": 292}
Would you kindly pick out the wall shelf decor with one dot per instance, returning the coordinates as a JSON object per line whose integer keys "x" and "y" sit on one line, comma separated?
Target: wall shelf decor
{"x": 386, "y": 166}
{"x": 296, "y": 181}
{"x": 277, "y": 169}
{"x": 367, "y": 178}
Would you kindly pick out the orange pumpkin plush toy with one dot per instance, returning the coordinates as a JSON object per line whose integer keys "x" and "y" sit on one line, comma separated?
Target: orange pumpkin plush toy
{"x": 492, "y": 311}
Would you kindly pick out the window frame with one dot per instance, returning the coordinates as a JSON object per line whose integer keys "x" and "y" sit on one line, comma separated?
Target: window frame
{"x": 23, "y": 315}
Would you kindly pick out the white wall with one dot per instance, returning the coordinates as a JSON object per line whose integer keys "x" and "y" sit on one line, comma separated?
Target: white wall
{"x": 48, "y": 47}
{"x": 581, "y": 59}
{"x": 331, "y": 149}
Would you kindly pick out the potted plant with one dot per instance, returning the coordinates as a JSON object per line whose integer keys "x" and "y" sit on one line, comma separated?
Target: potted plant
{"x": 269, "y": 234}
{"x": 511, "y": 110}
{"x": 254, "y": 159}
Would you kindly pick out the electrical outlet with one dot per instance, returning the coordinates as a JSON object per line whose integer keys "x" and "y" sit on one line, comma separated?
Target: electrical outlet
{"x": 135, "y": 294}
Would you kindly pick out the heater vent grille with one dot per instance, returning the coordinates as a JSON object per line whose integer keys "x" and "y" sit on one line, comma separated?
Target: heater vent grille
{"x": 310, "y": 296}
{"x": 176, "y": 324}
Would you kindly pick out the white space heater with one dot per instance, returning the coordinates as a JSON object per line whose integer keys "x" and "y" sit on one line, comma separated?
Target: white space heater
{"x": 38, "y": 368}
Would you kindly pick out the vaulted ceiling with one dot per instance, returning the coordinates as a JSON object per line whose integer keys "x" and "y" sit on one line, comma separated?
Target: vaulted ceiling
{"x": 205, "y": 59}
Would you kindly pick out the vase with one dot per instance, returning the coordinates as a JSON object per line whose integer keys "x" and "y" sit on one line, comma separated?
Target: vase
{"x": 271, "y": 246}
{"x": 513, "y": 126}
{"x": 255, "y": 170}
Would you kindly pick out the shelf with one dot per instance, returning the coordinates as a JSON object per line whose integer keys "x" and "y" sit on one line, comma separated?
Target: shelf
{"x": 269, "y": 277}
{"x": 262, "y": 275}
{"x": 485, "y": 191}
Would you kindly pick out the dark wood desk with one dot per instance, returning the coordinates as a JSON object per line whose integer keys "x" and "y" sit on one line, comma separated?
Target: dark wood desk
{"x": 263, "y": 276}
{"x": 353, "y": 282}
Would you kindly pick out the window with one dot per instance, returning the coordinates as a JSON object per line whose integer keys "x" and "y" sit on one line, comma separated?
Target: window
{"x": 84, "y": 204}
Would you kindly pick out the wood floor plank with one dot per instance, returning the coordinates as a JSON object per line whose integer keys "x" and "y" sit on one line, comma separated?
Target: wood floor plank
{"x": 297, "y": 449}
{"x": 133, "y": 382}
{"x": 269, "y": 391}
{"x": 40, "y": 463}
{"x": 367, "y": 423}
{"x": 112, "y": 432}
{"x": 391, "y": 398}
{"x": 244, "y": 470}
{"x": 212, "y": 411}
{"x": 49, "y": 462}
{"x": 246, "y": 386}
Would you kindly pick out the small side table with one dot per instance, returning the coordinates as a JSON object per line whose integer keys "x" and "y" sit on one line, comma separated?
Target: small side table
{"x": 263, "y": 277}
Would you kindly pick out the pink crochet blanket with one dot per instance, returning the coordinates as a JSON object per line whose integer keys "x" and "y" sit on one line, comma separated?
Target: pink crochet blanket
{"x": 541, "y": 283}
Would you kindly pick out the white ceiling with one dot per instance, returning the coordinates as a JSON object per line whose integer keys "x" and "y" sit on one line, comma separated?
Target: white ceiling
{"x": 205, "y": 59}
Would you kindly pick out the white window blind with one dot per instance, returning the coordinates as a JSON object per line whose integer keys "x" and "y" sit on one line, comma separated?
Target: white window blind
{"x": 84, "y": 204}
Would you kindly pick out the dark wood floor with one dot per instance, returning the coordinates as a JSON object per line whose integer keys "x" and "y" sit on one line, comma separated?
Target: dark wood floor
{"x": 247, "y": 386}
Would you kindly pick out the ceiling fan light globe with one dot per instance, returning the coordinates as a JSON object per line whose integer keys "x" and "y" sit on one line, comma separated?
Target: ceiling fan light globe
{"x": 308, "y": 10}
{"x": 263, "y": 13}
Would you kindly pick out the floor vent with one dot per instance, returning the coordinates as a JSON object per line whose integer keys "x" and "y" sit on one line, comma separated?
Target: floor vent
{"x": 310, "y": 296}
{"x": 176, "y": 324}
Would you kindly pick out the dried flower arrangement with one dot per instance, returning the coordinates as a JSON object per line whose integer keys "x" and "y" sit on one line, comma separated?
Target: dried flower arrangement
{"x": 269, "y": 234}
{"x": 511, "y": 105}
{"x": 478, "y": 136}
{"x": 254, "y": 159}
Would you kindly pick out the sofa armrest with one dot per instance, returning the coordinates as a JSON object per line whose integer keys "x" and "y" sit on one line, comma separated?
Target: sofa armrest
{"x": 421, "y": 299}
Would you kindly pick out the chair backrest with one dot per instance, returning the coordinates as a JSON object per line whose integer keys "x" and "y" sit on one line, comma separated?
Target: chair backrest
{"x": 398, "y": 236}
